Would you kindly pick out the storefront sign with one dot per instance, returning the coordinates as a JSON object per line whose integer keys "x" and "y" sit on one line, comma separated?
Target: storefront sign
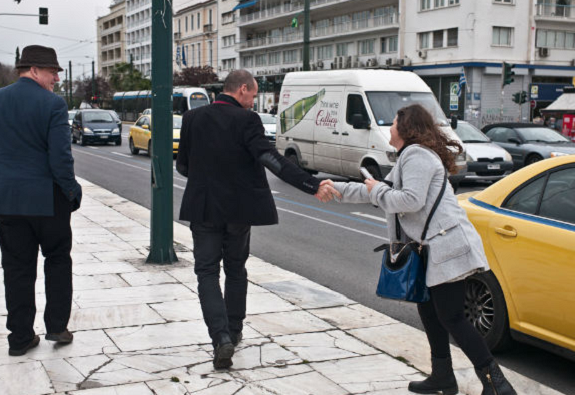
{"x": 546, "y": 92}
{"x": 453, "y": 98}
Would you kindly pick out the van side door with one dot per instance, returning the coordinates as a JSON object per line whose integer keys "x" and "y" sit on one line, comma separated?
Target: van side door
{"x": 327, "y": 134}
{"x": 354, "y": 139}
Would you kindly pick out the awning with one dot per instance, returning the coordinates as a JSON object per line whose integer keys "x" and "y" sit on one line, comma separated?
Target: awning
{"x": 245, "y": 3}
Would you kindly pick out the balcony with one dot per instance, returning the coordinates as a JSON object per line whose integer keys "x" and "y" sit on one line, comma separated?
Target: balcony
{"x": 208, "y": 28}
{"x": 347, "y": 28}
{"x": 282, "y": 10}
{"x": 555, "y": 12}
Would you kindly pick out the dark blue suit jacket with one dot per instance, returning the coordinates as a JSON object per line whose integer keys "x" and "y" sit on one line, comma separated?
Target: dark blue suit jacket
{"x": 35, "y": 150}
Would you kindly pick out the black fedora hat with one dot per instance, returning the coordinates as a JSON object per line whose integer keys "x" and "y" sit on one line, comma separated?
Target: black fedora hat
{"x": 38, "y": 56}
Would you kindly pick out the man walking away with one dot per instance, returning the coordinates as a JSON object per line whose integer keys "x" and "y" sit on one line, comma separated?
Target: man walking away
{"x": 223, "y": 151}
{"x": 38, "y": 193}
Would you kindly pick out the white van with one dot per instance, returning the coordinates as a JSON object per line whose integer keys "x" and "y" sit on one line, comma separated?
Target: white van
{"x": 337, "y": 121}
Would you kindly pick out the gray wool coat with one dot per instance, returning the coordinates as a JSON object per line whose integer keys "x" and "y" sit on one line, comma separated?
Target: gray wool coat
{"x": 455, "y": 247}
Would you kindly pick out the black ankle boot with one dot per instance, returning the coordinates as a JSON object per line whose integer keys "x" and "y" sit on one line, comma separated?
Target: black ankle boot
{"x": 494, "y": 383}
{"x": 442, "y": 379}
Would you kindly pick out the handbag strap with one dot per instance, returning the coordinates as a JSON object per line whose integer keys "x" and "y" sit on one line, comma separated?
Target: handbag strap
{"x": 424, "y": 233}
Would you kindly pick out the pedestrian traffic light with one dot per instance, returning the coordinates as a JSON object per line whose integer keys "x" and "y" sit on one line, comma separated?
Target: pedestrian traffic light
{"x": 508, "y": 73}
{"x": 43, "y": 16}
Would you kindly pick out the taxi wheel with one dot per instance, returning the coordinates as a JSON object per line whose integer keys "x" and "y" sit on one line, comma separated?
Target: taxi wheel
{"x": 485, "y": 308}
{"x": 374, "y": 171}
{"x": 133, "y": 149}
{"x": 150, "y": 148}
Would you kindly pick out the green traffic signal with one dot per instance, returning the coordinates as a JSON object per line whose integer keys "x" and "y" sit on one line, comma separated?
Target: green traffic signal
{"x": 508, "y": 73}
{"x": 43, "y": 16}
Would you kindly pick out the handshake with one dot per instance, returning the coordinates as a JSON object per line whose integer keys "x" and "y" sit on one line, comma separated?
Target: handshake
{"x": 326, "y": 191}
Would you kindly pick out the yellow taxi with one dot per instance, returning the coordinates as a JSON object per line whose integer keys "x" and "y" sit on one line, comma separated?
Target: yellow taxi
{"x": 527, "y": 223}
{"x": 141, "y": 134}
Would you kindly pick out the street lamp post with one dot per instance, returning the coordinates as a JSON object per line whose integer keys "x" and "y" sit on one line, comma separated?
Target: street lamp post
{"x": 162, "y": 221}
{"x": 306, "y": 23}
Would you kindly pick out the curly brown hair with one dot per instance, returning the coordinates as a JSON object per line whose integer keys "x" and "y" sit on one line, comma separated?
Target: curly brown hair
{"x": 415, "y": 125}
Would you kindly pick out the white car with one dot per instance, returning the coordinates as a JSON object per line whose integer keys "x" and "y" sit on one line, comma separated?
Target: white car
{"x": 269, "y": 122}
{"x": 486, "y": 161}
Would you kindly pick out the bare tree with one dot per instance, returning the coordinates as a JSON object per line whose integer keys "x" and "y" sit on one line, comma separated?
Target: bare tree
{"x": 8, "y": 75}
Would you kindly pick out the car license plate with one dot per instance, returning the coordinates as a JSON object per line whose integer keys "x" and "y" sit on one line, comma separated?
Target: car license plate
{"x": 493, "y": 167}
{"x": 103, "y": 137}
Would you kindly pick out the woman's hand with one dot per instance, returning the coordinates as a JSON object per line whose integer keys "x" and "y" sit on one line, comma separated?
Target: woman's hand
{"x": 370, "y": 183}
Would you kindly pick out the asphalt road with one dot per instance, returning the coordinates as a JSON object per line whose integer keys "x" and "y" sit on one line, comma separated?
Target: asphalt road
{"x": 330, "y": 244}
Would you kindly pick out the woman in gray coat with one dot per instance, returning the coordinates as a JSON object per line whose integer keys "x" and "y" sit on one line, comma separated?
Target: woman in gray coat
{"x": 455, "y": 247}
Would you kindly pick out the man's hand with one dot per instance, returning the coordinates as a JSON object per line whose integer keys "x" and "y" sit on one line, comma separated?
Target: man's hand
{"x": 370, "y": 183}
{"x": 326, "y": 191}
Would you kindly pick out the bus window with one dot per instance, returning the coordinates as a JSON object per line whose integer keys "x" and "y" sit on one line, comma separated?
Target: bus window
{"x": 198, "y": 100}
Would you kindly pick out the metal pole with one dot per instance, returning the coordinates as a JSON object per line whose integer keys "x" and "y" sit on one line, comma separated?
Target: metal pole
{"x": 93, "y": 81}
{"x": 71, "y": 82}
{"x": 162, "y": 225}
{"x": 306, "y": 23}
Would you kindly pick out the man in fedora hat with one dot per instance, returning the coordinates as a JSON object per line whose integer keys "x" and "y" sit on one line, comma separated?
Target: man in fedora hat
{"x": 39, "y": 191}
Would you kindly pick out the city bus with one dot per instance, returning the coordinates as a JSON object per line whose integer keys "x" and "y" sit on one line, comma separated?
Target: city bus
{"x": 129, "y": 105}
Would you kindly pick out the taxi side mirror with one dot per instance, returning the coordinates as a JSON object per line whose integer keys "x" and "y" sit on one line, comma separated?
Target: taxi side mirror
{"x": 145, "y": 127}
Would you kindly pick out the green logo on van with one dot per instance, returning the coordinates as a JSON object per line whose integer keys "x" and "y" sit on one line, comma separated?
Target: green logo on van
{"x": 294, "y": 114}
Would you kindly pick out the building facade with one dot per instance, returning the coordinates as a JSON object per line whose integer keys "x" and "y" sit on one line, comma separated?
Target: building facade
{"x": 229, "y": 58}
{"x": 440, "y": 40}
{"x": 139, "y": 35}
{"x": 111, "y": 38}
{"x": 196, "y": 35}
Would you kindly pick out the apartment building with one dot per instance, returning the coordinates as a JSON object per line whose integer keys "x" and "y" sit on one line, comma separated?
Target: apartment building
{"x": 228, "y": 34}
{"x": 437, "y": 39}
{"x": 111, "y": 38}
{"x": 196, "y": 34}
{"x": 139, "y": 35}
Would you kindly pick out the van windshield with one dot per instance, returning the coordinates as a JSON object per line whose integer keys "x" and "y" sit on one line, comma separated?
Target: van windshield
{"x": 386, "y": 104}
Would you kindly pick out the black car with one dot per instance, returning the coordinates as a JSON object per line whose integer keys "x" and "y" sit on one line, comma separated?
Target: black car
{"x": 528, "y": 142}
{"x": 95, "y": 126}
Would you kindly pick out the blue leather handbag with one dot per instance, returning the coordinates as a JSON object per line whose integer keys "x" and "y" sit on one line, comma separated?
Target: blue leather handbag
{"x": 403, "y": 278}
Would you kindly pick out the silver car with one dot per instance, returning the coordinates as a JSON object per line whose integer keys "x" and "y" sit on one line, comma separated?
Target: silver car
{"x": 486, "y": 161}
{"x": 269, "y": 122}
{"x": 528, "y": 143}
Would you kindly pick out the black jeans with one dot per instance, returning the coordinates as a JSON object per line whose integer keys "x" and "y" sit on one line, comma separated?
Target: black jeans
{"x": 443, "y": 315}
{"x": 20, "y": 237}
{"x": 213, "y": 242}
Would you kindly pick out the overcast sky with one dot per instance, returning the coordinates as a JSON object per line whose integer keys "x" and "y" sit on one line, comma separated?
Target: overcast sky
{"x": 71, "y": 30}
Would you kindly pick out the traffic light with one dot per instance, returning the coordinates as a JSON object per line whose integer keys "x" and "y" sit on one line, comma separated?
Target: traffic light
{"x": 508, "y": 73}
{"x": 43, "y": 16}
{"x": 516, "y": 98}
{"x": 294, "y": 22}
{"x": 523, "y": 97}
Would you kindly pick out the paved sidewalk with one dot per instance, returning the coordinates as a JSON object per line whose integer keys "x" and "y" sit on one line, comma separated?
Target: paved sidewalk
{"x": 139, "y": 329}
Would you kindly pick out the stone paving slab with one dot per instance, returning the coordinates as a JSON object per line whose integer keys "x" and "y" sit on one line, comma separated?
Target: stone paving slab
{"x": 139, "y": 328}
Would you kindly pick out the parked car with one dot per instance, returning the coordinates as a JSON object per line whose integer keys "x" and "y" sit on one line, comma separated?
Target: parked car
{"x": 95, "y": 126}
{"x": 486, "y": 161}
{"x": 527, "y": 223}
{"x": 141, "y": 135}
{"x": 71, "y": 115}
{"x": 117, "y": 119}
{"x": 269, "y": 122}
{"x": 529, "y": 143}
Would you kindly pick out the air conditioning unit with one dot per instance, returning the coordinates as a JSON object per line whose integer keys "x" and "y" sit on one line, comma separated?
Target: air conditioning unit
{"x": 348, "y": 62}
{"x": 341, "y": 63}
{"x": 355, "y": 64}
{"x": 407, "y": 62}
{"x": 423, "y": 53}
{"x": 319, "y": 64}
{"x": 543, "y": 52}
{"x": 372, "y": 62}
{"x": 388, "y": 61}
{"x": 335, "y": 64}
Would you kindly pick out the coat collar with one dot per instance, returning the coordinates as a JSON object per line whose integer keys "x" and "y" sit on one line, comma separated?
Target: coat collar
{"x": 228, "y": 99}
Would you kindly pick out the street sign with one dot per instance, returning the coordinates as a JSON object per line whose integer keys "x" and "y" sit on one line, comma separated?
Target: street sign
{"x": 533, "y": 103}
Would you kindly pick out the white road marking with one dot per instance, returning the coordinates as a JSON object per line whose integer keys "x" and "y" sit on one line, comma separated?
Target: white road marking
{"x": 333, "y": 224}
{"x": 275, "y": 192}
{"x": 92, "y": 147}
{"x": 179, "y": 187}
{"x": 124, "y": 155}
{"x": 147, "y": 169}
{"x": 374, "y": 217}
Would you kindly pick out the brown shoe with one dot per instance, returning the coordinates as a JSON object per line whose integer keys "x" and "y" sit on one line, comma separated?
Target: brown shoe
{"x": 62, "y": 337}
{"x": 33, "y": 343}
